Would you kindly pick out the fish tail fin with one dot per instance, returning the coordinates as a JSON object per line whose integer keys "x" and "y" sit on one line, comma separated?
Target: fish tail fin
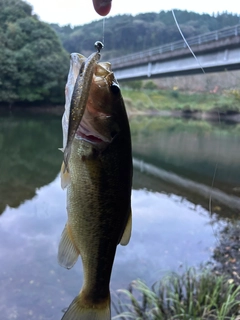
{"x": 79, "y": 309}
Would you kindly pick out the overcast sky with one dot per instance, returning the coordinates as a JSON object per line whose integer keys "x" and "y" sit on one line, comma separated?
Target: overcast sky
{"x": 78, "y": 12}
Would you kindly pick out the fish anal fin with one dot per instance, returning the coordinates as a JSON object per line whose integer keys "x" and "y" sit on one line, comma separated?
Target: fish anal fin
{"x": 65, "y": 176}
{"x": 84, "y": 310}
{"x": 67, "y": 252}
{"x": 127, "y": 232}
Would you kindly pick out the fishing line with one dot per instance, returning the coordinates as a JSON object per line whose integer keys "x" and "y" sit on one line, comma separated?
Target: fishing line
{"x": 103, "y": 31}
{"x": 216, "y": 164}
{"x": 214, "y": 175}
{"x": 210, "y": 200}
{"x": 184, "y": 39}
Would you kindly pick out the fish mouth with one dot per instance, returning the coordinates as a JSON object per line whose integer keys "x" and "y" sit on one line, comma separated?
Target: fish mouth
{"x": 87, "y": 133}
{"x": 92, "y": 139}
{"x": 96, "y": 126}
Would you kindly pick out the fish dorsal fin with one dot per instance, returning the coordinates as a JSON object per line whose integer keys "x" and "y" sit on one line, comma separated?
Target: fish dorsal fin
{"x": 65, "y": 176}
{"x": 67, "y": 252}
{"x": 127, "y": 232}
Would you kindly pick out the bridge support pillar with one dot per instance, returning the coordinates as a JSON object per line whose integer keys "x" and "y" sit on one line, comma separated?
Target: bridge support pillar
{"x": 149, "y": 70}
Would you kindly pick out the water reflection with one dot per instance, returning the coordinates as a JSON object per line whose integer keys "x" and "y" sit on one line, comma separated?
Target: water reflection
{"x": 204, "y": 156}
{"x": 33, "y": 286}
{"x": 171, "y": 225}
{"x": 29, "y": 157}
{"x": 190, "y": 148}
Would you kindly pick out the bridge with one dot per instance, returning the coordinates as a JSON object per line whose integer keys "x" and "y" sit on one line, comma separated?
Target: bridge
{"x": 215, "y": 51}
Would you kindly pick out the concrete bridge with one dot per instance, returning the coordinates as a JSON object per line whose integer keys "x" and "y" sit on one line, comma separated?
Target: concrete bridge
{"x": 215, "y": 51}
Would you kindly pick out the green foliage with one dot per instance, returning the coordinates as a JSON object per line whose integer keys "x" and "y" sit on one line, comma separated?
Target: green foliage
{"x": 176, "y": 100}
{"x": 234, "y": 93}
{"x": 184, "y": 297}
{"x": 135, "y": 84}
{"x": 150, "y": 85}
{"x": 33, "y": 64}
{"x": 126, "y": 33}
{"x": 174, "y": 94}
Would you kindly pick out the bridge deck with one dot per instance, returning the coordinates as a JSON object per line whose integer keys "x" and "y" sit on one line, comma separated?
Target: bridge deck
{"x": 215, "y": 51}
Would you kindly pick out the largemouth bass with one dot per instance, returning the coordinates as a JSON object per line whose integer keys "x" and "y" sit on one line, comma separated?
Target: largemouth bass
{"x": 98, "y": 181}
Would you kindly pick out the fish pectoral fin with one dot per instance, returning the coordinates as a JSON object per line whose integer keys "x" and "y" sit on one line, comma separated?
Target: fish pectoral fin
{"x": 65, "y": 176}
{"x": 67, "y": 252}
{"x": 83, "y": 309}
{"x": 127, "y": 232}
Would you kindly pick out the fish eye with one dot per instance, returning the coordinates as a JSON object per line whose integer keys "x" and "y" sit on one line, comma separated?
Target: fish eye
{"x": 114, "y": 87}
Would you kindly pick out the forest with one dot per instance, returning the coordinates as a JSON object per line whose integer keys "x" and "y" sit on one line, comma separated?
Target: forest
{"x": 33, "y": 63}
{"x": 34, "y": 57}
{"x": 126, "y": 33}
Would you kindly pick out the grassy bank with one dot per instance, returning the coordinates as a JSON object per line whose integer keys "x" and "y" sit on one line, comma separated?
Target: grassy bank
{"x": 192, "y": 295}
{"x": 148, "y": 98}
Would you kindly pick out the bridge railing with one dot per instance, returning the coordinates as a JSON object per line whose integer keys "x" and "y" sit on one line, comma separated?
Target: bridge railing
{"x": 200, "y": 39}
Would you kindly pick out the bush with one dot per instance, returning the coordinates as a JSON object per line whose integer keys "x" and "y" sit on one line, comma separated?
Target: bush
{"x": 135, "y": 85}
{"x": 150, "y": 85}
{"x": 189, "y": 296}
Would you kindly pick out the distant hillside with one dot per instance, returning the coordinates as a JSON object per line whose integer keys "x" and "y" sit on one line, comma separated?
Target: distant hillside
{"x": 127, "y": 33}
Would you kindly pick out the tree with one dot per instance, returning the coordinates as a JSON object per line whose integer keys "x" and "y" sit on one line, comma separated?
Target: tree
{"x": 33, "y": 64}
{"x": 126, "y": 33}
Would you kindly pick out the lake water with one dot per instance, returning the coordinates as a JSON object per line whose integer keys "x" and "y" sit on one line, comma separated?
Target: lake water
{"x": 186, "y": 189}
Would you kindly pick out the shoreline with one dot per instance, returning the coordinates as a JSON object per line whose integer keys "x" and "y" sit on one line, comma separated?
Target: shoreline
{"x": 188, "y": 114}
{"x": 58, "y": 110}
{"x": 230, "y": 115}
